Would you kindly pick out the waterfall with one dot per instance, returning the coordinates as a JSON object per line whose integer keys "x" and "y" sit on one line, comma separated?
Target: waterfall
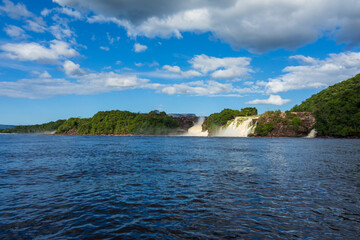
{"x": 312, "y": 133}
{"x": 238, "y": 127}
{"x": 196, "y": 130}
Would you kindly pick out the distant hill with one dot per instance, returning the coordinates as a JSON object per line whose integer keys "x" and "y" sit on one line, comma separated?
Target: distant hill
{"x": 336, "y": 109}
{"x": 38, "y": 128}
{"x": 2, "y": 126}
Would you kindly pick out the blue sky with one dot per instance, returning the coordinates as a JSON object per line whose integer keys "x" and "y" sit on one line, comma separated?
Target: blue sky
{"x": 72, "y": 58}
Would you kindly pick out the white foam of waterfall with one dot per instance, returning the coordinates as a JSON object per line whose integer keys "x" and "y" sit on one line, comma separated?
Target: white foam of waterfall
{"x": 312, "y": 133}
{"x": 196, "y": 130}
{"x": 238, "y": 127}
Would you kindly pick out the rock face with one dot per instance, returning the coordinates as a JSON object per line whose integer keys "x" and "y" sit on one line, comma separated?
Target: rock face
{"x": 186, "y": 123}
{"x": 72, "y": 131}
{"x": 290, "y": 124}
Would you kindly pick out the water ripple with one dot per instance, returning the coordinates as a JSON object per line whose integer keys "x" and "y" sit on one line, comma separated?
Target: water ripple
{"x": 70, "y": 187}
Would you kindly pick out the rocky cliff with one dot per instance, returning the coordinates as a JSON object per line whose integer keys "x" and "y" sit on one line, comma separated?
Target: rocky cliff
{"x": 284, "y": 124}
{"x": 185, "y": 123}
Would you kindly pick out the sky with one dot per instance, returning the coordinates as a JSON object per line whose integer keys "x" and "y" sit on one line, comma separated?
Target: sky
{"x": 73, "y": 58}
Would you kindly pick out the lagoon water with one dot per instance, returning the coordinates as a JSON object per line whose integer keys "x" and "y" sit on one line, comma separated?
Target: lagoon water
{"x": 71, "y": 187}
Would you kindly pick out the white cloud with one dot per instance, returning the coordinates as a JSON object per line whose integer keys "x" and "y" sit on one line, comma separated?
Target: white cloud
{"x": 67, "y": 11}
{"x": 201, "y": 88}
{"x": 257, "y": 25}
{"x": 94, "y": 83}
{"x": 139, "y": 48}
{"x": 19, "y": 11}
{"x": 45, "y": 74}
{"x": 16, "y": 11}
{"x": 234, "y": 68}
{"x": 15, "y": 32}
{"x": 36, "y": 52}
{"x": 112, "y": 39}
{"x": 105, "y": 48}
{"x": 225, "y": 68}
{"x": 316, "y": 73}
{"x": 35, "y": 26}
{"x": 70, "y": 12}
{"x": 190, "y": 74}
{"x": 176, "y": 69}
{"x": 72, "y": 69}
{"x": 61, "y": 30}
{"x": 304, "y": 59}
{"x": 45, "y": 12}
{"x": 272, "y": 100}
{"x": 139, "y": 64}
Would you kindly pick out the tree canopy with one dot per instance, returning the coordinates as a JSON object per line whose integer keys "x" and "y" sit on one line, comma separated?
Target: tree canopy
{"x": 122, "y": 123}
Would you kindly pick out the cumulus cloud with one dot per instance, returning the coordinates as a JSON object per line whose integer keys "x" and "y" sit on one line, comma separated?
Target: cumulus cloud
{"x": 257, "y": 25}
{"x": 139, "y": 48}
{"x": 234, "y": 68}
{"x": 72, "y": 69}
{"x": 36, "y": 52}
{"x": 315, "y": 73}
{"x": 226, "y": 68}
{"x": 15, "y": 32}
{"x": 272, "y": 100}
{"x": 176, "y": 69}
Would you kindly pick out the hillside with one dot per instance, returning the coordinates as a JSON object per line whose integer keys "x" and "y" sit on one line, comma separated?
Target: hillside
{"x": 336, "y": 109}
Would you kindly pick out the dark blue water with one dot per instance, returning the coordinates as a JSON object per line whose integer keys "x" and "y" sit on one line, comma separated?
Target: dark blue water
{"x": 59, "y": 187}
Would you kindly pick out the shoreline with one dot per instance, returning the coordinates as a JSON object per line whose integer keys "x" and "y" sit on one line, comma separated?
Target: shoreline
{"x": 133, "y": 135}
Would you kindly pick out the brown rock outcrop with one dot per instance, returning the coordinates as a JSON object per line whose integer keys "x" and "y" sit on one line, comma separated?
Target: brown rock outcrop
{"x": 284, "y": 125}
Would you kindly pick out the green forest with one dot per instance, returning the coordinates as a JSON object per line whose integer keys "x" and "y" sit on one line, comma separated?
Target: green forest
{"x": 122, "y": 123}
{"x": 336, "y": 109}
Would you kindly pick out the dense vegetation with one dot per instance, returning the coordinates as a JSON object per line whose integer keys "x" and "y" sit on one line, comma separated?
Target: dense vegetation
{"x": 39, "y": 128}
{"x": 122, "y": 122}
{"x": 336, "y": 109}
{"x": 270, "y": 119}
{"x": 216, "y": 120}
